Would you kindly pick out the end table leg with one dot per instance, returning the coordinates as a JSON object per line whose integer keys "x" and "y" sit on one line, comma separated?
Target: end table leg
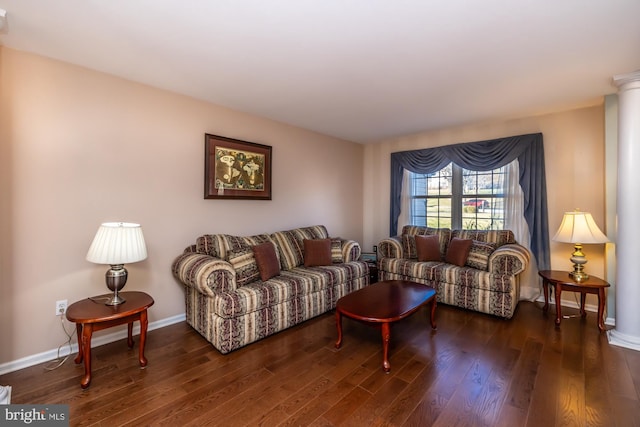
{"x": 130, "y": 334}
{"x": 386, "y": 336}
{"x": 143, "y": 336}
{"x": 601, "y": 302}
{"x": 339, "y": 326}
{"x": 583, "y": 298}
{"x": 545, "y": 290}
{"x": 79, "y": 357}
{"x": 558, "y": 291}
{"x": 87, "y": 331}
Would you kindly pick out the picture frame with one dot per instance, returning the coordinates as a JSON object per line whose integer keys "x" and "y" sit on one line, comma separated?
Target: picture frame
{"x": 236, "y": 169}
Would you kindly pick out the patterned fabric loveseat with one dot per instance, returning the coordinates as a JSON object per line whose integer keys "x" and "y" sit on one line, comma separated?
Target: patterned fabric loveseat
{"x": 231, "y": 302}
{"x": 485, "y": 278}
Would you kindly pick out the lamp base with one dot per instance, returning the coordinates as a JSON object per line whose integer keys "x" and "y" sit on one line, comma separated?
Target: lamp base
{"x": 579, "y": 260}
{"x": 116, "y": 278}
{"x": 579, "y": 276}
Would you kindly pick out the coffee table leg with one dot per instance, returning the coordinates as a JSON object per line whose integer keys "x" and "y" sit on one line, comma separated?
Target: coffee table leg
{"x": 386, "y": 336}
{"x": 433, "y": 313}
{"x": 339, "y": 326}
{"x": 87, "y": 331}
{"x": 545, "y": 290}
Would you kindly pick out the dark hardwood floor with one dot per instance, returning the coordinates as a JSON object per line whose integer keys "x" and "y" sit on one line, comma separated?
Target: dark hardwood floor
{"x": 475, "y": 370}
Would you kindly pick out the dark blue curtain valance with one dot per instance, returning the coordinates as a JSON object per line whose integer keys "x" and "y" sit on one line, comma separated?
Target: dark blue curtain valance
{"x": 482, "y": 156}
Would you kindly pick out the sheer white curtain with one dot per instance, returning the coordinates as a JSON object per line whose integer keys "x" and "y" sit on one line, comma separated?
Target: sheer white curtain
{"x": 515, "y": 221}
{"x": 405, "y": 201}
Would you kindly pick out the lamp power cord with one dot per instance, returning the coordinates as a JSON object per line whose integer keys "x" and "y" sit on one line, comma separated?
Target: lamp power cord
{"x": 59, "y": 361}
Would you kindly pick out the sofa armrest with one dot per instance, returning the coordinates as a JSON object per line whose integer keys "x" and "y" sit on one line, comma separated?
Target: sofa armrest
{"x": 351, "y": 250}
{"x": 509, "y": 259}
{"x": 391, "y": 247}
{"x": 204, "y": 273}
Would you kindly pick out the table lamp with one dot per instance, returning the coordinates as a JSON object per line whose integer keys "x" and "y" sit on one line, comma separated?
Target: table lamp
{"x": 579, "y": 228}
{"x": 117, "y": 243}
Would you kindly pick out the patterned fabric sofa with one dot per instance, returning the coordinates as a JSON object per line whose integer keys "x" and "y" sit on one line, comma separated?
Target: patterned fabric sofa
{"x": 229, "y": 304}
{"x": 488, "y": 282}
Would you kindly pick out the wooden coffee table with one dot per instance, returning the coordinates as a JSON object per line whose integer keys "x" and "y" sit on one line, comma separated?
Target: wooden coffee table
{"x": 384, "y": 303}
{"x": 91, "y": 314}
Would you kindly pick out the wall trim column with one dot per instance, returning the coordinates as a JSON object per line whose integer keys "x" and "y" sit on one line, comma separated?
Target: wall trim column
{"x": 627, "y": 292}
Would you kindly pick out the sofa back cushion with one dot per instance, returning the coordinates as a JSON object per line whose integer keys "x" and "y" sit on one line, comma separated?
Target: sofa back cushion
{"x": 499, "y": 237}
{"x": 290, "y": 244}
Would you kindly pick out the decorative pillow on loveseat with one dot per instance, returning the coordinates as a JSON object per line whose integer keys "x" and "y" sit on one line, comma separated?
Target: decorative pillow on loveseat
{"x": 428, "y": 248}
{"x": 458, "y": 251}
{"x": 479, "y": 254}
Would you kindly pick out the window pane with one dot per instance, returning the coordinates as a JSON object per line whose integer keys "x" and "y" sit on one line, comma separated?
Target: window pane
{"x": 479, "y": 195}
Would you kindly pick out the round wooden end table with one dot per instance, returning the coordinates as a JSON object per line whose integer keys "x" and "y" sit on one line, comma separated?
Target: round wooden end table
{"x": 561, "y": 281}
{"x": 92, "y": 314}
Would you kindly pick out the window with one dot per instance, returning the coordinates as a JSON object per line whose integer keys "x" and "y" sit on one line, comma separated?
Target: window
{"x": 454, "y": 197}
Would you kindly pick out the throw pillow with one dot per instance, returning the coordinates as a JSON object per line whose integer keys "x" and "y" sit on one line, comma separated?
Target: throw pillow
{"x": 428, "y": 248}
{"x": 244, "y": 263}
{"x": 479, "y": 255}
{"x": 317, "y": 252}
{"x": 336, "y": 250}
{"x": 409, "y": 246}
{"x": 458, "y": 251}
{"x": 268, "y": 264}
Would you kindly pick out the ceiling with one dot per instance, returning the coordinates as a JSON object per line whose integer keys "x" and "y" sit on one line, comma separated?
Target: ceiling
{"x": 360, "y": 70}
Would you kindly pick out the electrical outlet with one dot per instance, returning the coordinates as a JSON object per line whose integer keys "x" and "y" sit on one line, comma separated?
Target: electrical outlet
{"x": 61, "y": 307}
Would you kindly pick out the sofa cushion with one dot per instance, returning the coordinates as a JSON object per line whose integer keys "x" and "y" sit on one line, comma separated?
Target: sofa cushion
{"x": 290, "y": 285}
{"x": 428, "y": 248}
{"x": 458, "y": 251}
{"x": 479, "y": 254}
{"x": 244, "y": 263}
{"x": 267, "y": 260}
{"x": 317, "y": 252}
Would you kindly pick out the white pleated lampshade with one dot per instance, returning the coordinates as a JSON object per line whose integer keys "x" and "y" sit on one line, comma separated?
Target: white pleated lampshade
{"x": 117, "y": 243}
{"x": 579, "y": 227}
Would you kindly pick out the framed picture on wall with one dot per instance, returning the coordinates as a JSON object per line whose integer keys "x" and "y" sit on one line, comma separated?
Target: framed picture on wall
{"x": 235, "y": 169}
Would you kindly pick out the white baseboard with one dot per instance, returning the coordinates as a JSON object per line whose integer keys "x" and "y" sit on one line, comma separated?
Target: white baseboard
{"x": 48, "y": 355}
{"x": 609, "y": 321}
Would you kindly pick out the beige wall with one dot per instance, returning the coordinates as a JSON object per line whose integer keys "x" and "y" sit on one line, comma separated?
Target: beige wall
{"x": 574, "y": 158}
{"x": 79, "y": 148}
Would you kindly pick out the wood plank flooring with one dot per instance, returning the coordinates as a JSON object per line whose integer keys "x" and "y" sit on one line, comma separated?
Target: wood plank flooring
{"x": 475, "y": 370}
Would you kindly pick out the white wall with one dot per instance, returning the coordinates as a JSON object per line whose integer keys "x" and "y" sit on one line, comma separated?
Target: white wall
{"x": 80, "y": 147}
